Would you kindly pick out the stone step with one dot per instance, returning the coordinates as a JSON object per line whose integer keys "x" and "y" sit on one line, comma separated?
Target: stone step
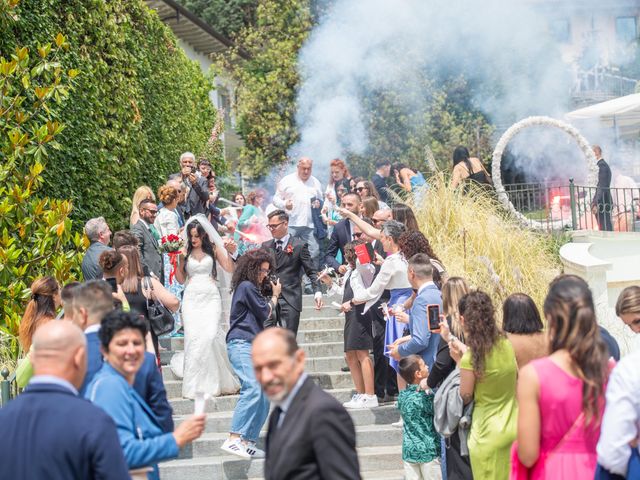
{"x": 184, "y": 406}
{"x": 372, "y": 459}
{"x": 208, "y": 445}
{"x": 220, "y": 421}
{"x": 327, "y": 380}
{"x": 313, "y": 350}
{"x": 322, "y": 334}
{"x": 319, "y": 364}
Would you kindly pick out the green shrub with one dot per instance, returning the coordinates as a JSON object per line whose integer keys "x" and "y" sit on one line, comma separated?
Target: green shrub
{"x": 139, "y": 101}
{"x": 35, "y": 231}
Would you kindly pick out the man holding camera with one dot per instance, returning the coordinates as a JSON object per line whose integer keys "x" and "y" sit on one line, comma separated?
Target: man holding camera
{"x": 196, "y": 187}
{"x": 421, "y": 340}
{"x": 292, "y": 260}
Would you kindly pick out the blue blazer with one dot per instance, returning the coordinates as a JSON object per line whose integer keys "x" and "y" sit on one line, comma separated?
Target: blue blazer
{"x": 48, "y": 432}
{"x": 141, "y": 437}
{"x": 423, "y": 342}
{"x": 148, "y": 384}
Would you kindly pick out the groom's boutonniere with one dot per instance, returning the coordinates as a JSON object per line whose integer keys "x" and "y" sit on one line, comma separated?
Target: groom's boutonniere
{"x": 289, "y": 250}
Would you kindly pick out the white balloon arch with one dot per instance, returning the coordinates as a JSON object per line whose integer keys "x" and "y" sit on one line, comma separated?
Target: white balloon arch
{"x": 512, "y": 132}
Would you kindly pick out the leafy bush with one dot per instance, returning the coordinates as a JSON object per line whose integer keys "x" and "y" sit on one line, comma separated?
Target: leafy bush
{"x": 35, "y": 231}
{"x": 139, "y": 101}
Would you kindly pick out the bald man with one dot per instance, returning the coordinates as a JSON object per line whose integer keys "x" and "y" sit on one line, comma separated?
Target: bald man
{"x": 293, "y": 195}
{"x": 49, "y": 431}
{"x": 310, "y": 434}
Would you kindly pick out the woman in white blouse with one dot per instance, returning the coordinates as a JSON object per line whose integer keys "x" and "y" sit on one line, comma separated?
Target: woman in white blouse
{"x": 391, "y": 278}
{"x": 167, "y": 223}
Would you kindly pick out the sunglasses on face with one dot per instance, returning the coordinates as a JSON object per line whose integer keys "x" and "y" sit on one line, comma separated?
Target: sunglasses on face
{"x": 359, "y": 189}
{"x": 357, "y": 235}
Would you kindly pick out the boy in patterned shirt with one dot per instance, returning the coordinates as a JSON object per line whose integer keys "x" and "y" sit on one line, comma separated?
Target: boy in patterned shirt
{"x": 420, "y": 441}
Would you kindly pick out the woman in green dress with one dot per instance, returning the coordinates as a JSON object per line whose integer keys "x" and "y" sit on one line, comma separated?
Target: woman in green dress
{"x": 488, "y": 374}
{"x": 252, "y": 223}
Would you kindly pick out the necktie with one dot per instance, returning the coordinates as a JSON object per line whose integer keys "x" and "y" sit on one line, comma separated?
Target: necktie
{"x": 154, "y": 232}
{"x": 276, "y": 417}
{"x": 279, "y": 245}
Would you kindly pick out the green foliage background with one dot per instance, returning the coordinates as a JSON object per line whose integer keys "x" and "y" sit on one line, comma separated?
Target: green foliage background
{"x": 139, "y": 101}
{"x": 228, "y": 17}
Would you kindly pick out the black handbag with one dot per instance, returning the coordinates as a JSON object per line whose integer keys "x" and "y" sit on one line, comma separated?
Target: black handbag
{"x": 160, "y": 317}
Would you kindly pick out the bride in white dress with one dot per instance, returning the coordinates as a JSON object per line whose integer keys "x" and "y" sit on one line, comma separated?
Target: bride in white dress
{"x": 206, "y": 366}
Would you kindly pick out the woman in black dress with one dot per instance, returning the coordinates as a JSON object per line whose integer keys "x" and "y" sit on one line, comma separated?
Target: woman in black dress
{"x": 358, "y": 337}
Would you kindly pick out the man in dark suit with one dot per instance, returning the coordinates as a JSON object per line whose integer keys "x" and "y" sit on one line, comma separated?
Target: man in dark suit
{"x": 196, "y": 187}
{"x": 292, "y": 260}
{"x": 149, "y": 238}
{"x": 50, "y": 432}
{"x": 379, "y": 179}
{"x": 310, "y": 434}
{"x": 99, "y": 234}
{"x": 602, "y": 202}
{"x": 92, "y": 302}
{"x": 342, "y": 233}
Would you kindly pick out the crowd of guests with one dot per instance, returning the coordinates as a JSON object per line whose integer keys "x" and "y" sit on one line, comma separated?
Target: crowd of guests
{"x": 532, "y": 396}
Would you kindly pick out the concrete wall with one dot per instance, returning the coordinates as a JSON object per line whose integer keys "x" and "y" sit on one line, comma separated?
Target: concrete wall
{"x": 608, "y": 262}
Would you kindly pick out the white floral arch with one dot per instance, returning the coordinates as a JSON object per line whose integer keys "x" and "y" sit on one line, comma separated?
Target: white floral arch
{"x": 516, "y": 128}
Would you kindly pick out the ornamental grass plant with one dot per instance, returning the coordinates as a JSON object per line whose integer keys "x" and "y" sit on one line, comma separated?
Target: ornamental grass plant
{"x": 477, "y": 239}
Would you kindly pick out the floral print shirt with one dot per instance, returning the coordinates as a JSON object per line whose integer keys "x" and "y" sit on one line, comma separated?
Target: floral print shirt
{"x": 420, "y": 441}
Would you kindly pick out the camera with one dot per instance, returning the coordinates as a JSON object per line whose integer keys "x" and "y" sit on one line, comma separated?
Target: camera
{"x": 273, "y": 278}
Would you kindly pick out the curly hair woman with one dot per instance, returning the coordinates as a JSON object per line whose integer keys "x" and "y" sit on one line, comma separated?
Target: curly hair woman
{"x": 412, "y": 242}
{"x": 488, "y": 374}
{"x": 561, "y": 397}
{"x": 249, "y": 310}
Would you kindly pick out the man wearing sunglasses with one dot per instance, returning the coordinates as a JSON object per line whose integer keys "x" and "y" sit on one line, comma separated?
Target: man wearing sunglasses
{"x": 292, "y": 261}
{"x": 343, "y": 233}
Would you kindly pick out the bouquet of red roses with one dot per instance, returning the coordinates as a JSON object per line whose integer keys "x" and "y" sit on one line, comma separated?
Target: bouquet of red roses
{"x": 171, "y": 245}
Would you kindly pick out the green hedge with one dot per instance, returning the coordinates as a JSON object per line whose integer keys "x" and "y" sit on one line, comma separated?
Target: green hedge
{"x": 138, "y": 101}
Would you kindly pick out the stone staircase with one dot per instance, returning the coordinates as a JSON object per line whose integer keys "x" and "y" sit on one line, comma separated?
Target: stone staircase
{"x": 320, "y": 335}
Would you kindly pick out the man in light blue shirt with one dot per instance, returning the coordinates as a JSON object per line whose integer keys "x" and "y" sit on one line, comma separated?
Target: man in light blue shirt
{"x": 421, "y": 340}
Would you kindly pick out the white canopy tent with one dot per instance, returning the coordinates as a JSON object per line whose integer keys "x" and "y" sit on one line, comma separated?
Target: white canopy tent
{"x": 621, "y": 114}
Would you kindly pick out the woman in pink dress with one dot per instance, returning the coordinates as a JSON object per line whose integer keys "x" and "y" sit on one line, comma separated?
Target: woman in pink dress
{"x": 561, "y": 397}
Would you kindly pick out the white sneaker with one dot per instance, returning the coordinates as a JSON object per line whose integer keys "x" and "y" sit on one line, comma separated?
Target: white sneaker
{"x": 254, "y": 451}
{"x": 235, "y": 447}
{"x": 398, "y": 424}
{"x": 369, "y": 401}
{"x": 355, "y": 402}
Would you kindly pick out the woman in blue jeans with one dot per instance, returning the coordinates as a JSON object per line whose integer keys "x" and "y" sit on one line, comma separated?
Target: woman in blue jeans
{"x": 249, "y": 310}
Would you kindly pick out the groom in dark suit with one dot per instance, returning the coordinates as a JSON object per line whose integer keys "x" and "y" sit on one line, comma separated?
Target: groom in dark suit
{"x": 292, "y": 260}
{"x": 602, "y": 202}
{"x": 149, "y": 238}
{"x": 310, "y": 434}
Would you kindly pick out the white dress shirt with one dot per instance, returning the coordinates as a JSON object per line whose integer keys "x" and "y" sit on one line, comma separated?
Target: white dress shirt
{"x": 621, "y": 420}
{"x": 392, "y": 275}
{"x": 300, "y": 193}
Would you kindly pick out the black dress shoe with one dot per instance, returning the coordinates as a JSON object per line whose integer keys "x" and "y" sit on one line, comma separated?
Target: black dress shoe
{"x": 345, "y": 369}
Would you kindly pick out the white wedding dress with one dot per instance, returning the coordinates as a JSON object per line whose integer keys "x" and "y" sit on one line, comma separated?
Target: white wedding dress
{"x": 205, "y": 365}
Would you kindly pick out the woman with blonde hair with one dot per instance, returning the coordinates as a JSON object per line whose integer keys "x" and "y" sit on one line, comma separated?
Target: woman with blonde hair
{"x": 339, "y": 174}
{"x": 369, "y": 206}
{"x": 42, "y": 306}
{"x": 142, "y": 193}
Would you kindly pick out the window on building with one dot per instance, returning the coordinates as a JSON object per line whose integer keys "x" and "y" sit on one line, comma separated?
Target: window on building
{"x": 561, "y": 30}
{"x": 225, "y": 103}
{"x": 626, "y": 29}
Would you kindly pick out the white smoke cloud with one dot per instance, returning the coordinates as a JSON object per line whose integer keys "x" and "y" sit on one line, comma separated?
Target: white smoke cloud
{"x": 361, "y": 46}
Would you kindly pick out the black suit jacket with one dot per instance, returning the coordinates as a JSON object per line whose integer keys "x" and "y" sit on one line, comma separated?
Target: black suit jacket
{"x": 340, "y": 236}
{"x": 603, "y": 192}
{"x": 316, "y": 440}
{"x": 290, "y": 267}
{"x": 51, "y": 433}
{"x": 381, "y": 185}
{"x": 148, "y": 245}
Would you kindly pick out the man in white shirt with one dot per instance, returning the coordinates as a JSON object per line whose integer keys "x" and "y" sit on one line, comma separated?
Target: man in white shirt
{"x": 293, "y": 194}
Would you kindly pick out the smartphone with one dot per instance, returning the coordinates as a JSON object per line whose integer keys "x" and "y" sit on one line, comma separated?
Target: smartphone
{"x": 433, "y": 316}
{"x": 114, "y": 284}
{"x": 364, "y": 252}
{"x": 193, "y": 169}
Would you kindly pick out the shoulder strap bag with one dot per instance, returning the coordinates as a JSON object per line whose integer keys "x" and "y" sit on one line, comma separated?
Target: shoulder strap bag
{"x": 160, "y": 317}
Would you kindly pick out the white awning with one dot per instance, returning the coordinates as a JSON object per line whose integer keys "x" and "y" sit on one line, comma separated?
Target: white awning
{"x": 620, "y": 114}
